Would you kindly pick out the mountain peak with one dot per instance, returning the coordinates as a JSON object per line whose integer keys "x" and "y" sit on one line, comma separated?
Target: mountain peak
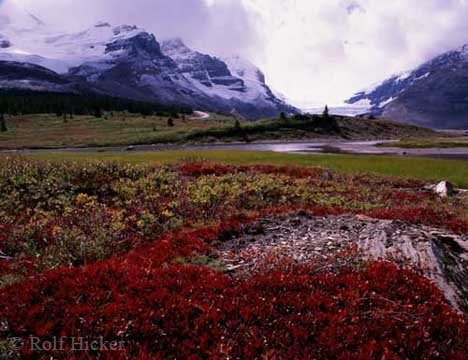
{"x": 176, "y": 47}
{"x": 125, "y": 29}
{"x": 141, "y": 43}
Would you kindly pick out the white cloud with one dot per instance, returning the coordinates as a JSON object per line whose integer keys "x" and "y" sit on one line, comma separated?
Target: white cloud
{"x": 324, "y": 50}
{"x": 312, "y": 51}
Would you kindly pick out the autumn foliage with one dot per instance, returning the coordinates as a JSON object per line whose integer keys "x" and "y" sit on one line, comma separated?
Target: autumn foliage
{"x": 103, "y": 250}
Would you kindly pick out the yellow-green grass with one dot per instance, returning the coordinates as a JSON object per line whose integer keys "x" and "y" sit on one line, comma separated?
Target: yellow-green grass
{"x": 48, "y": 130}
{"x": 426, "y": 169}
{"x": 430, "y": 143}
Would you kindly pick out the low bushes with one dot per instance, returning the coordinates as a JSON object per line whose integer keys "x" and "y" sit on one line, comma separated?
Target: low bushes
{"x": 71, "y": 214}
{"x": 157, "y": 308}
{"x": 125, "y": 253}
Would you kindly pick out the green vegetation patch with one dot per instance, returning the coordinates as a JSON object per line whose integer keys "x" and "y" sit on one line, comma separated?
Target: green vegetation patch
{"x": 428, "y": 143}
{"x": 431, "y": 170}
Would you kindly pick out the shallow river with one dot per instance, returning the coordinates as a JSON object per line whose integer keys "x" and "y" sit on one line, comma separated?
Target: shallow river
{"x": 306, "y": 147}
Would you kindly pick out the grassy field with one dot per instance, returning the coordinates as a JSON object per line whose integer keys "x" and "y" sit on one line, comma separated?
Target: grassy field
{"x": 50, "y": 131}
{"x": 426, "y": 143}
{"x": 431, "y": 170}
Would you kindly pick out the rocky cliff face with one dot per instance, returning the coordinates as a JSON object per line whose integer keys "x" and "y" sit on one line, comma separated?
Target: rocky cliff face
{"x": 202, "y": 69}
{"x": 233, "y": 81}
{"x": 434, "y": 95}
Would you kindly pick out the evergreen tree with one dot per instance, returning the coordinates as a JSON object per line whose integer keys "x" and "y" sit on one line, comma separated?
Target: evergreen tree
{"x": 3, "y": 127}
{"x": 283, "y": 116}
{"x": 170, "y": 122}
{"x": 97, "y": 112}
{"x": 326, "y": 112}
{"x": 237, "y": 125}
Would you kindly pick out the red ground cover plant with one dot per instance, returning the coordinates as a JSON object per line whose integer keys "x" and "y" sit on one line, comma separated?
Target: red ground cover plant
{"x": 159, "y": 309}
{"x": 106, "y": 250}
{"x": 204, "y": 168}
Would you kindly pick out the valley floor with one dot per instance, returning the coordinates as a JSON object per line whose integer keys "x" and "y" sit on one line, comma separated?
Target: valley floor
{"x": 313, "y": 146}
{"x": 47, "y": 131}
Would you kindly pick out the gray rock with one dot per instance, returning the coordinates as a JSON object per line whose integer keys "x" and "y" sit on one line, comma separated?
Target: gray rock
{"x": 444, "y": 189}
{"x": 439, "y": 254}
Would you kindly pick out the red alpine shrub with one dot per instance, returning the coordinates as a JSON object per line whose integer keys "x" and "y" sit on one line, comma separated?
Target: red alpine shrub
{"x": 204, "y": 168}
{"x": 130, "y": 235}
{"x": 163, "y": 310}
{"x": 290, "y": 171}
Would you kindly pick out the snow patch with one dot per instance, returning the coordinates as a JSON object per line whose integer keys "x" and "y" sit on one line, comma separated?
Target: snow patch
{"x": 386, "y": 102}
{"x": 404, "y": 76}
{"x": 423, "y": 76}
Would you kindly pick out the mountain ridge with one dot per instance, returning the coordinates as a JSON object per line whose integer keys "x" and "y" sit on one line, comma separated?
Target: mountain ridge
{"x": 129, "y": 62}
{"x": 434, "y": 94}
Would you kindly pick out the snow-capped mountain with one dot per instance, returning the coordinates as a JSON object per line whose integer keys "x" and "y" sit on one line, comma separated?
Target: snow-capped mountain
{"x": 134, "y": 67}
{"x": 255, "y": 87}
{"x": 230, "y": 80}
{"x": 129, "y": 62}
{"x": 206, "y": 72}
{"x": 434, "y": 95}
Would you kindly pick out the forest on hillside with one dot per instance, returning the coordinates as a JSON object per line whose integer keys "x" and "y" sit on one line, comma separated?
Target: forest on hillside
{"x": 24, "y": 102}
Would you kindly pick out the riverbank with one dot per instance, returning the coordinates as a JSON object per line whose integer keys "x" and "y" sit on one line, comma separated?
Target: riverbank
{"x": 312, "y": 146}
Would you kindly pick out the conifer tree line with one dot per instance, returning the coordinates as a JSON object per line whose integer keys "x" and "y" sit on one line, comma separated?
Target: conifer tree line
{"x": 24, "y": 102}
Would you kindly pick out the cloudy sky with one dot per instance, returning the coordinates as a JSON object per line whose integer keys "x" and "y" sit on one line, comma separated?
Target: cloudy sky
{"x": 312, "y": 51}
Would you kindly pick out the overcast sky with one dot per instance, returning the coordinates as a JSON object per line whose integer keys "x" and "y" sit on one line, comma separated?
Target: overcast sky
{"x": 313, "y": 51}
